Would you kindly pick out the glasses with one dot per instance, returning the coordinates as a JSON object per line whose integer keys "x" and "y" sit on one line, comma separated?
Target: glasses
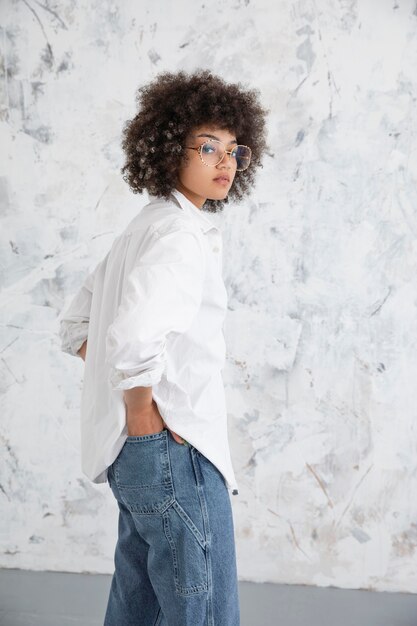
{"x": 212, "y": 152}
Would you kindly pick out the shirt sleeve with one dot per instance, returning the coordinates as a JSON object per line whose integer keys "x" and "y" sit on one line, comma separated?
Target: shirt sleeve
{"x": 163, "y": 294}
{"x": 75, "y": 319}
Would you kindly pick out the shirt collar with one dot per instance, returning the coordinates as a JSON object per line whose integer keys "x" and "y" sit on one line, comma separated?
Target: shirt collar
{"x": 186, "y": 204}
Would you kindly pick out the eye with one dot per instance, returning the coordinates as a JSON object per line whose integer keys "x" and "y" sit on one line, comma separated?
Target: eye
{"x": 208, "y": 149}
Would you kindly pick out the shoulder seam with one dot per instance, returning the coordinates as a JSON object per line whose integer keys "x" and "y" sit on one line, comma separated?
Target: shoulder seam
{"x": 183, "y": 226}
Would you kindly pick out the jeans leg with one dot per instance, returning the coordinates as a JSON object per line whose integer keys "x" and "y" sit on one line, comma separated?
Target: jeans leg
{"x": 132, "y": 599}
{"x": 224, "y": 579}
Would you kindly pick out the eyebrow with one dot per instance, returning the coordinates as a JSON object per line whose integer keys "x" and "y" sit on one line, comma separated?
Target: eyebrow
{"x": 214, "y": 137}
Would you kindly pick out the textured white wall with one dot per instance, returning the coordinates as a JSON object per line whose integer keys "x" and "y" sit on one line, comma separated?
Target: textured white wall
{"x": 320, "y": 266}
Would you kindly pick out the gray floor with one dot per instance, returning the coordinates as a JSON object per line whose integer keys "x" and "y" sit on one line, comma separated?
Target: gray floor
{"x": 61, "y": 599}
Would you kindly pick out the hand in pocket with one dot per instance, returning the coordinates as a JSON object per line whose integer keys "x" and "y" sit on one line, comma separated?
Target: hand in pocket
{"x": 149, "y": 424}
{"x": 177, "y": 438}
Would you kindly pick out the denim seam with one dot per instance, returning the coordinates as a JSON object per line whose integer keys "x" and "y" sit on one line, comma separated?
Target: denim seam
{"x": 195, "y": 455}
{"x": 184, "y": 591}
{"x": 158, "y": 617}
{"x": 189, "y": 523}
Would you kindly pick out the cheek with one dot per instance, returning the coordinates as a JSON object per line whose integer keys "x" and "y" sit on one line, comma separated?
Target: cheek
{"x": 194, "y": 171}
{"x": 184, "y": 173}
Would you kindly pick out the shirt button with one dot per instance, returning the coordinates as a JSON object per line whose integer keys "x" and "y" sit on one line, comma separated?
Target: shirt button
{"x": 216, "y": 249}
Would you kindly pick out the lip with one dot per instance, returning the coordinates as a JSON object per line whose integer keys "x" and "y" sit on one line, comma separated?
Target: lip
{"x": 223, "y": 179}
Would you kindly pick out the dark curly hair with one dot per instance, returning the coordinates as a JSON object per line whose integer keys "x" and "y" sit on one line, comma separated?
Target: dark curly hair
{"x": 173, "y": 105}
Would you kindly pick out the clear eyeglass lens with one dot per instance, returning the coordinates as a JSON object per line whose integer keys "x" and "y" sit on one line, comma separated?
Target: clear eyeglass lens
{"x": 212, "y": 153}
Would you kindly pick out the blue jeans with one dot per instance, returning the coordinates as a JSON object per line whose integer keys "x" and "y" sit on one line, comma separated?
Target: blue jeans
{"x": 175, "y": 559}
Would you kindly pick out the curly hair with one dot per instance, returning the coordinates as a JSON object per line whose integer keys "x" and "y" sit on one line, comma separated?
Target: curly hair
{"x": 172, "y": 106}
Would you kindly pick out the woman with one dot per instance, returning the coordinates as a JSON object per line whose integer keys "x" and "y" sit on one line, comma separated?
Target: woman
{"x": 153, "y": 412}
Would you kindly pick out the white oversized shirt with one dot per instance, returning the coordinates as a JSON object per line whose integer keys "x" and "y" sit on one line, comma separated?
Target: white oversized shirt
{"x": 153, "y": 310}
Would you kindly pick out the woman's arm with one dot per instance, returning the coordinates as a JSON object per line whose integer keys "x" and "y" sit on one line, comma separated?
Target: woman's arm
{"x": 81, "y": 352}
{"x": 74, "y": 320}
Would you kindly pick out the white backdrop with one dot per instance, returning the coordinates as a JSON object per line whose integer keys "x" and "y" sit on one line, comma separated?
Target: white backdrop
{"x": 319, "y": 263}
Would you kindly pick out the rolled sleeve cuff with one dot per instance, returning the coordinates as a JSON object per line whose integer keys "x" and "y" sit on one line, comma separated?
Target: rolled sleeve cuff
{"x": 128, "y": 380}
{"x": 73, "y": 335}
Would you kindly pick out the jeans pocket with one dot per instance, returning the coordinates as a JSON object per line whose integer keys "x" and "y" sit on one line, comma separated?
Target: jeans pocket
{"x": 188, "y": 551}
{"x": 142, "y": 473}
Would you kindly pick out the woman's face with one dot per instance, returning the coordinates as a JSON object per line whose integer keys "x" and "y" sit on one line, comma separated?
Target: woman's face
{"x": 197, "y": 180}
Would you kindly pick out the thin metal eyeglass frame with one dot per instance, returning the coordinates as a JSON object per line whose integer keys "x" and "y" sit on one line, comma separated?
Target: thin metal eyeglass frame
{"x": 200, "y": 147}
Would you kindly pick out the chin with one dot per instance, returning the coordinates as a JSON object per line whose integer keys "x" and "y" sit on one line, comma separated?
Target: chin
{"x": 219, "y": 196}
{"x": 222, "y": 192}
